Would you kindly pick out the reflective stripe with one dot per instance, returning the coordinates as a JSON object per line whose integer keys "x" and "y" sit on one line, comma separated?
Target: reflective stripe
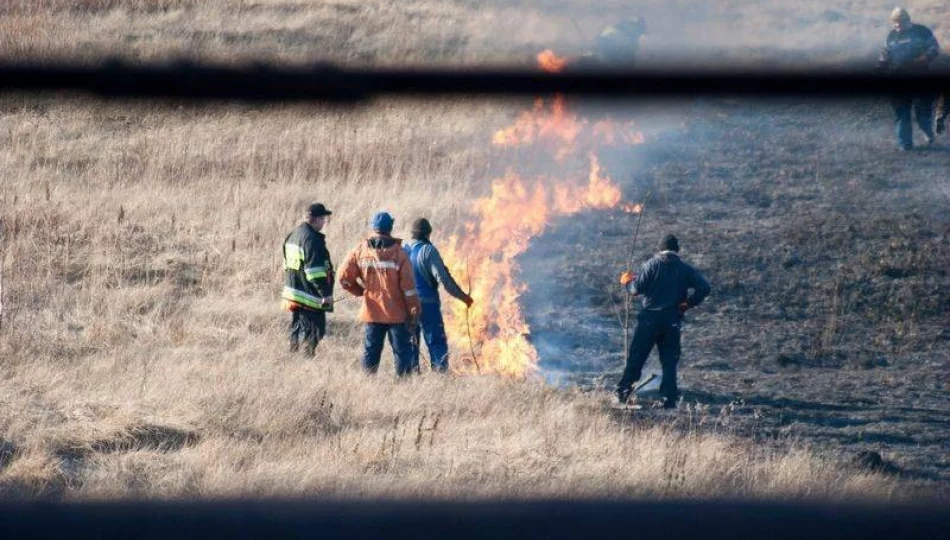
{"x": 293, "y": 256}
{"x": 371, "y": 263}
{"x": 411, "y": 292}
{"x": 315, "y": 272}
{"x": 301, "y": 297}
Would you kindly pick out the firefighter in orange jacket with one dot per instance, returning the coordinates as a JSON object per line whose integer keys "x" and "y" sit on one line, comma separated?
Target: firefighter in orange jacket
{"x": 379, "y": 271}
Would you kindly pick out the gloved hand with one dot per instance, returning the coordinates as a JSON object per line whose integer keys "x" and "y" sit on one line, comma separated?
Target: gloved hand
{"x": 626, "y": 278}
{"x": 921, "y": 60}
{"x": 326, "y": 301}
{"x": 468, "y": 301}
{"x": 683, "y": 306}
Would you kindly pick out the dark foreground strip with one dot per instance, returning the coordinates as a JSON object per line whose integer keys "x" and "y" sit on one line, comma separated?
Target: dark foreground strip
{"x": 497, "y": 520}
{"x": 329, "y": 83}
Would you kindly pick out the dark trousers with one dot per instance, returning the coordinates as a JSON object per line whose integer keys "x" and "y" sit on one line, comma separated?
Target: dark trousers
{"x": 399, "y": 339}
{"x": 922, "y": 107}
{"x": 308, "y": 326}
{"x": 943, "y": 112}
{"x": 432, "y": 329}
{"x": 660, "y": 328}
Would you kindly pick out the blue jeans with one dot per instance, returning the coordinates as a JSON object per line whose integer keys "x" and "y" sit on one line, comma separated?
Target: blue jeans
{"x": 660, "y": 328}
{"x": 922, "y": 107}
{"x": 432, "y": 328}
{"x": 375, "y": 337}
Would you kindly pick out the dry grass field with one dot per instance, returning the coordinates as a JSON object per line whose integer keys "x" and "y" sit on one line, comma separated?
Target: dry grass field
{"x": 142, "y": 349}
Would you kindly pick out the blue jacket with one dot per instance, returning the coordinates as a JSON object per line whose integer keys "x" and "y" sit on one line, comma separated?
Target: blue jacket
{"x": 665, "y": 281}
{"x": 429, "y": 271}
{"x": 911, "y": 50}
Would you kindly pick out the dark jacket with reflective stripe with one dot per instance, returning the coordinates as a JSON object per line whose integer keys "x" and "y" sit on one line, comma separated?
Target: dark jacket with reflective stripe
{"x": 429, "y": 271}
{"x": 665, "y": 281}
{"x": 911, "y": 50}
{"x": 308, "y": 271}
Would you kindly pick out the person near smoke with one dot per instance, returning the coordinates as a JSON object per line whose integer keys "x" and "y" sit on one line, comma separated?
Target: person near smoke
{"x": 619, "y": 44}
{"x": 665, "y": 282}
{"x": 308, "y": 279}
{"x": 378, "y": 270}
{"x": 429, "y": 271}
{"x": 616, "y": 47}
{"x": 910, "y": 48}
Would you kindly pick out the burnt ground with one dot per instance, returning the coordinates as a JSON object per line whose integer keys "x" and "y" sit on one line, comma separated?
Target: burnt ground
{"x": 829, "y": 256}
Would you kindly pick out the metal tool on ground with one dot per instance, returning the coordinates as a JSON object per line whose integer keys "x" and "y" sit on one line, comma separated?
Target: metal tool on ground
{"x": 643, "y": 385}
{"x": 636, "y": 388}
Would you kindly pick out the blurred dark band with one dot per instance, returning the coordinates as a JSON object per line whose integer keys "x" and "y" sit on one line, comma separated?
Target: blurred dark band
{"x": 335, "y": 84}
{"x": 490, "y": 520}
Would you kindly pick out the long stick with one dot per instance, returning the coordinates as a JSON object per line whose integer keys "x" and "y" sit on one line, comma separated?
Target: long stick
{"x": 627, "y": 298}
{"x": 468, "y": 324}
{"x": 578, "y": 28}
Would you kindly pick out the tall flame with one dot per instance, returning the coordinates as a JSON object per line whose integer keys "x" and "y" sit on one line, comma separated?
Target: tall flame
{"x": 506, "y": 220}
{"x": 554, "y": 128}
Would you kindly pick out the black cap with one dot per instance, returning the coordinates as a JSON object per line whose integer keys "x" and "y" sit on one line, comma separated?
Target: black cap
{"x": 316, "y": 210}
{"x": 421, "y": 228}
{"x": 669, "y": 243}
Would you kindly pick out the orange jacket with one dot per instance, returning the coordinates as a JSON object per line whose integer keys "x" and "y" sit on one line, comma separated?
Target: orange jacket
{"x": 379, "y": 270}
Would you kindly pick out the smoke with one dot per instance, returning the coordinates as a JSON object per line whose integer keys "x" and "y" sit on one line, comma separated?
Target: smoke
{"x": 755, "y": 33}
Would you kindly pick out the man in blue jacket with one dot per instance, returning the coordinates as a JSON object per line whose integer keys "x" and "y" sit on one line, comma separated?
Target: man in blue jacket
{"x": 429, "y": 271}
{"x": 665, "y": 282}
{"x": 910, "y": 48}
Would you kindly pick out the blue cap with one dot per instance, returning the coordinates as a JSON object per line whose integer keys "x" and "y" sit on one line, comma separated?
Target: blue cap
{"x": 382, "y": 222}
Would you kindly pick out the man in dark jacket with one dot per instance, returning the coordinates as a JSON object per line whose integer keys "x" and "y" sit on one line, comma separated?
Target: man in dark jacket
{"x": 910, "y": 48}
{"x": 429, "y": 271}
{"x": 308, "y": 279}
{"x": 664, "y": 281}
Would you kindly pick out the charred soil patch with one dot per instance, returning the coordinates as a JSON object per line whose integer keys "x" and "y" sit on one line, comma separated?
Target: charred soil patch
{"x": 827, "y": 251}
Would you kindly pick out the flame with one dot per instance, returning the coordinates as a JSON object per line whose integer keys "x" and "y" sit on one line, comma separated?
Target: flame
{"x": 554, "y": 128}
{"x": 484, "y": 256}
{"x": 613, "y": 133}
{"x": 550, "y": 62}
{"x": 505, "y": 222}
{"x": 632, "y": 208}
